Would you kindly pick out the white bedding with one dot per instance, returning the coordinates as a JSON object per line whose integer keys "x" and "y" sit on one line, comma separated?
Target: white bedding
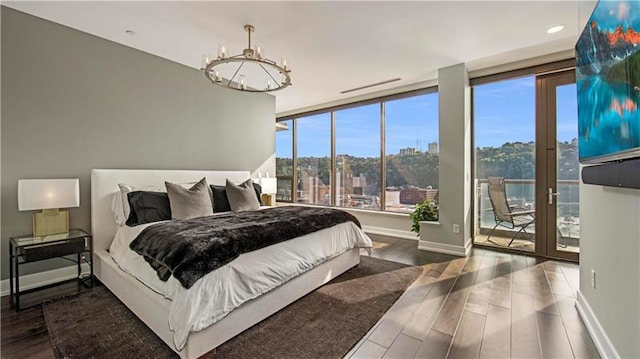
{"x": 212, "y": 297}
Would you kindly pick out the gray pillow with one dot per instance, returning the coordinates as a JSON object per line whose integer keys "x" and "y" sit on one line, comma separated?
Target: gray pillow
{"x": 242, "y": 197}
{"x": 189, "y": 203}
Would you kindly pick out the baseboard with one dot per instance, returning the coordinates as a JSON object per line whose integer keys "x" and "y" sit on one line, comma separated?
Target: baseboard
{"x": 462, "y": 251}
{"x": 35, "y": 280}
{"x": 396, "y": 233}
{"x": 468, "y": 247}
{"x": 598, "y": 335}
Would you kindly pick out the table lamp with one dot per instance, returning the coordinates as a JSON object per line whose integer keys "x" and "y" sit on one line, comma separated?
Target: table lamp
{"x": 48, "y": 195}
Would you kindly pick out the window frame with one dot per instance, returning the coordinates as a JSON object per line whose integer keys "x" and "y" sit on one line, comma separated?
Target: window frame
{"x": 292, "y": 176}
{"x": 294, "y": 188}
{"x": 536, "y": 71}
{"x": 381, "y": 101}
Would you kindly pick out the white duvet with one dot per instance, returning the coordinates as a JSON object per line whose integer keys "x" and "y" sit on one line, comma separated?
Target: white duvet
{"x": 212, "y": 297}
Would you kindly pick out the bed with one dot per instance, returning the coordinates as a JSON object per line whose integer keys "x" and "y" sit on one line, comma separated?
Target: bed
{"x": 154, "y": 308}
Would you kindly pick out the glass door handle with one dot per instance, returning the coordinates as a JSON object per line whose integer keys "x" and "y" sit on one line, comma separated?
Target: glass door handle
{"x": 551, "y": 194}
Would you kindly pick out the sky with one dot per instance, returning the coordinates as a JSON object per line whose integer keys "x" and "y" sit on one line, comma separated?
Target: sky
{"x": 503, "y": 112}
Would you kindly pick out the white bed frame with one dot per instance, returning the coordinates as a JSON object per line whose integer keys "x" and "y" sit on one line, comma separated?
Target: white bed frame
{"x": 151, "y": 307}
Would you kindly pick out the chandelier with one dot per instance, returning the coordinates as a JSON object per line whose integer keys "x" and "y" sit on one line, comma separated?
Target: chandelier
{"x": 248, "y": 71}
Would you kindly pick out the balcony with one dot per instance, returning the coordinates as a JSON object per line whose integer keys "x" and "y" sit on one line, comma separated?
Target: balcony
{"x": 521, "y": 193}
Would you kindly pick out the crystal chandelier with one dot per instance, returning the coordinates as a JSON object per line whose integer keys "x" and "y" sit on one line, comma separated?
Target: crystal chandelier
{"x": 248, "y": 71}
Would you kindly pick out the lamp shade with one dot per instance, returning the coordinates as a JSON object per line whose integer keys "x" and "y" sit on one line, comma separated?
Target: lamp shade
{"x": 269, "y": 185}
{"x": 35, "y": 194}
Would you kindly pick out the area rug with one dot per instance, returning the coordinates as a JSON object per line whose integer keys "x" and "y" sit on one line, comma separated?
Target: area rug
{"x": 326, "y": 323}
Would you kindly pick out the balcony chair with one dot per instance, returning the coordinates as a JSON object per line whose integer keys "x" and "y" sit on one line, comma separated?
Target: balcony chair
{"x": 506, "y": 215}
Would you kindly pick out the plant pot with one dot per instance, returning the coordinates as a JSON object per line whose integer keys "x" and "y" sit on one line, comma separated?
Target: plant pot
{"x": 429, "y": 229}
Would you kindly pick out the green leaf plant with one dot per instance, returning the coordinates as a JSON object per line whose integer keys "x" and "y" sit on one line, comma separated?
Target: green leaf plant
{"x": 425, "y": 211}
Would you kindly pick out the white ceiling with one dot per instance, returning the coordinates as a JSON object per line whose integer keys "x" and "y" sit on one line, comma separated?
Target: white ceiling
{"x": 334, "y": 46}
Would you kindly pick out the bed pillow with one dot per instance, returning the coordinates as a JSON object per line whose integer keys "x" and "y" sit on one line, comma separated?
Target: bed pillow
{"x": 190, "y": 202}
{"x": 221, "y": 201}
{"x": 258, "y": 189}
{"x": 120, "y": 203}
{"x": 148, "y": 207}
{"x": 242, "y": 197}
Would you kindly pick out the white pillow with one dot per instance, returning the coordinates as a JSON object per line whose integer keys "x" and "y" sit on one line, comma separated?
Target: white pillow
{"x": 117, "y": 209}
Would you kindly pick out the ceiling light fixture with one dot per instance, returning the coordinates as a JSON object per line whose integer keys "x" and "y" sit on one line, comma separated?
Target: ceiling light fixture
{"x": 248, "y": 71}
{"x": 554, "y": 29}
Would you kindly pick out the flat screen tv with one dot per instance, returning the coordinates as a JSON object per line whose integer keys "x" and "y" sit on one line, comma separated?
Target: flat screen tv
{"x": 608, "y": 83}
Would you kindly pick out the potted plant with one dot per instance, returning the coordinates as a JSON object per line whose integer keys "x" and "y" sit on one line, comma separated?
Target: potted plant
{"x": 425, "y": 211}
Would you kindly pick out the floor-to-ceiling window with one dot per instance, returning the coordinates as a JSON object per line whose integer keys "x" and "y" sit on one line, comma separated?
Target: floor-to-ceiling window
{"x": 504, "y": 138}
{"x": 568, "y": 169}
{"x": 384, "y": 154}
{"x": 284, "y": 160}
{"x": 358, "y": 157}
{"x": 313, "y": 159}
{"x": 526, "y": 165}
{"x": 412, "y": 150}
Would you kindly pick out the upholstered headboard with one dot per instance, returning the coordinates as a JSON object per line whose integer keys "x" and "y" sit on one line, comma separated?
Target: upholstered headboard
{"x": 104, "y": 184}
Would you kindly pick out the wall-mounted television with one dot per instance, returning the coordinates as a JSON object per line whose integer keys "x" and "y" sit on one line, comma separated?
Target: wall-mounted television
{"x": 608, "y": 83}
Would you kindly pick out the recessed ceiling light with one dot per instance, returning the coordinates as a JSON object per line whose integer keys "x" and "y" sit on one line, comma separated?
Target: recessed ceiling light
{"x": 130, "y": 32}
{"x": 554, "y": 29}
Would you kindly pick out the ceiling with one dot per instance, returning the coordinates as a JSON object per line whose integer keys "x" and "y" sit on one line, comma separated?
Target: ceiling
{"x": 334, "y": 46}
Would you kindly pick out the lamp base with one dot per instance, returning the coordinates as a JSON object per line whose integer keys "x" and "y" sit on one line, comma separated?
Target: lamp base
{"x": 268, "y": 199}
{"x": 50, "y": 221}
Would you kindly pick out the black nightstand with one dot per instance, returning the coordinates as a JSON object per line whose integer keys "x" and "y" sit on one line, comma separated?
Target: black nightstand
{"x": 27, "y": 249}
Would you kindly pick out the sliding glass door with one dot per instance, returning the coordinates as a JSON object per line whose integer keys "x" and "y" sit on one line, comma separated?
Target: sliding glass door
{"x": 505, "y": 130}
{"x": 558, "y": 131}
{"x": 526, "y": 164}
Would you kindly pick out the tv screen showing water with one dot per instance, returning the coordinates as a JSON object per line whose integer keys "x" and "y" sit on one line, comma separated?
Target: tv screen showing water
{"x": 608, "y": 83}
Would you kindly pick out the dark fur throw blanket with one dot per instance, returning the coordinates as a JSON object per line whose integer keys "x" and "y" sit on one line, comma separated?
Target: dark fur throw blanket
{"x": 189, "y": 249}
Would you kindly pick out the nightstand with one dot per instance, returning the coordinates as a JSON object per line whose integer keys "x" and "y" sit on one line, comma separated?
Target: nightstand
{"x": 28, "y": 249}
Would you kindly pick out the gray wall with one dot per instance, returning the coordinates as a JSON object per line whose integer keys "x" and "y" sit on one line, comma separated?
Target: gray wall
{"x": 455, "y": 158}
{"x": 610, "y": 245}
{"x": 73, "y": 102}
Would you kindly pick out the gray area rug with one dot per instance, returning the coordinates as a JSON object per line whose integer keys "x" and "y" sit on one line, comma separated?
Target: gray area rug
{"x": 326, "y": 323}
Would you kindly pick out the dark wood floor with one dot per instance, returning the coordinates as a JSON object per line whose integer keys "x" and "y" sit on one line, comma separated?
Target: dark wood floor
{"x": 491, "y": 305}
{"x": 24, "y": 334}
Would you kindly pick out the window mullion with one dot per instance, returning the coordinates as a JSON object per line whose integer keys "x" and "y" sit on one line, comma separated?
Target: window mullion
{"x": 294, "y": 163}
{"x": 333, "y": 160}
{"x": 383, "y": 160}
